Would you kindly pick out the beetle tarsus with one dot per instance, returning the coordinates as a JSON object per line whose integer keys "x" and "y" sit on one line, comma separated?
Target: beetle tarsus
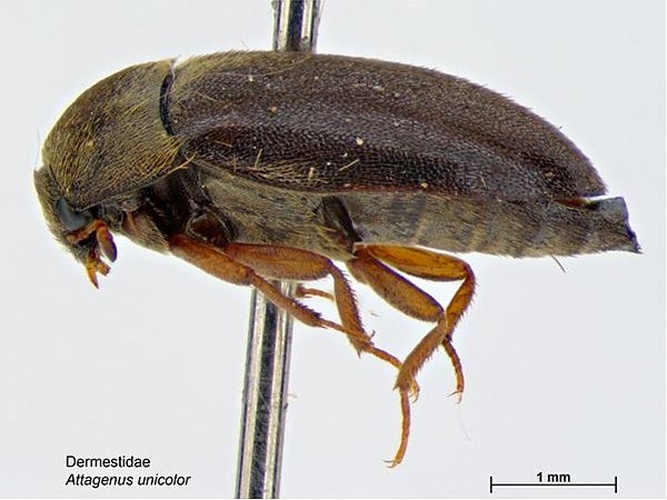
{"x": 369, "y": 267}
{"x": 405, "y": 430}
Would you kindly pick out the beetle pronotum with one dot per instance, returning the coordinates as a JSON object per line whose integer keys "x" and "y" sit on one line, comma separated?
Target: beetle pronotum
{"x": 257, "y": 165}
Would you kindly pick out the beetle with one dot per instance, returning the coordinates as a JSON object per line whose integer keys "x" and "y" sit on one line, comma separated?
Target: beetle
{"x": 260, "y": 165}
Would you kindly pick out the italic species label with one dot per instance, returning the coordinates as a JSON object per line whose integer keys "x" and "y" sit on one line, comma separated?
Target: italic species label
{"x": 119, "y": 472}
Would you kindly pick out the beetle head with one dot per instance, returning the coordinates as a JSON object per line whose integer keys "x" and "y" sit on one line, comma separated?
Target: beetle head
{"x": 110, "y": 142}
{"x": 81, "y": 231}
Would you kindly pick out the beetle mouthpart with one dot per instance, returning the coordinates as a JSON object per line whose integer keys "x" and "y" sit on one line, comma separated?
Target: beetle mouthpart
{"x": 105, "y": 244}
{"x": 103, "y": 241}
{"x": 95, "y": 265}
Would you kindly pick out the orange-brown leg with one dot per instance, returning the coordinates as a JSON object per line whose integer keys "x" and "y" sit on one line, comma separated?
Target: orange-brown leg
{"x": 246, "y": 264}
{"x": 306, "y": 292}
{"x": 435, "y": 267}
{"x": 411, "y": 300}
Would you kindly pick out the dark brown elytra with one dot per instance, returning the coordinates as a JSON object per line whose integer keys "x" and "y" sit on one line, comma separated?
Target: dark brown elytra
{"x": 259, "y": 165}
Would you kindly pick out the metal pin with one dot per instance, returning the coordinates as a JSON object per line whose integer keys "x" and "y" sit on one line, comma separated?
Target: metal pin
{"x": 270, "y": 333}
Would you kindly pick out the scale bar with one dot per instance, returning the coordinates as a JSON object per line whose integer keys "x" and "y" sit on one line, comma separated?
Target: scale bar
{"x": 561, "y": 485}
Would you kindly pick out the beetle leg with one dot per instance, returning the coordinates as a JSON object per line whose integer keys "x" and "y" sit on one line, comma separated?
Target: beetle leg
{"x": 307, "y": 292}
{"x": 414, "y": 302}
{"x": 295, "y": 264}
{"x": 435, "y": 267}
{"x": 246, "y": 264}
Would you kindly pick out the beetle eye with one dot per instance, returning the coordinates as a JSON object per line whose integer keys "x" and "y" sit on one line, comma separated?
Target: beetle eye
{"x": 71, "y": 219}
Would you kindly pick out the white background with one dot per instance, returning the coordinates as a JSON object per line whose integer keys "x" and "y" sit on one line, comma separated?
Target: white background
{"x": 565, "y": 371}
